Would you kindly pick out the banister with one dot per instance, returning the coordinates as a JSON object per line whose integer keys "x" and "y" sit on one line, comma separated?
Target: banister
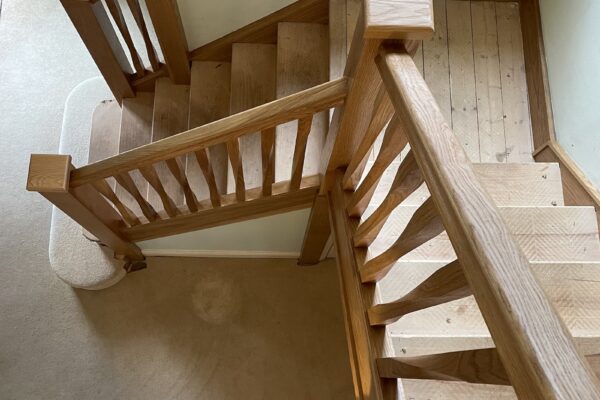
{"x": 301, "y": 104}
{"x": 535, "y": 346}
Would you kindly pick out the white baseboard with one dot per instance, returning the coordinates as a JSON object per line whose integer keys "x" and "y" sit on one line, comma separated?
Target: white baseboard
{"x": 219, "y": 253}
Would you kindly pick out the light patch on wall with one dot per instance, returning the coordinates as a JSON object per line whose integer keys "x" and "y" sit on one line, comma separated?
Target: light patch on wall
{"x": 205, "y": 21}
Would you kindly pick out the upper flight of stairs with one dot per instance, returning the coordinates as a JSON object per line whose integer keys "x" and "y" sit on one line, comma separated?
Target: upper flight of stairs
{"x": 257, "y": 74}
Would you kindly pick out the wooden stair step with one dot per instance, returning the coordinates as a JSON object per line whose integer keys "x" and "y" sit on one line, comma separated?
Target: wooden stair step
{"x": 524, "y": 184}
{"x": 253, "y": 80}
{"x": 546, "y": 234}
{"x": 302, "y": 62}
{"x": 209, "y": 101}
{"x": 170, "y": 117}
{"x": 136, "y": 131}
{"x": 423, "y": 389}
{"x": 458, "y": 325}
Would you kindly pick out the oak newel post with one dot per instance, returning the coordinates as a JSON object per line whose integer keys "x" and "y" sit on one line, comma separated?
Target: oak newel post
{"x": 49, "y": 175}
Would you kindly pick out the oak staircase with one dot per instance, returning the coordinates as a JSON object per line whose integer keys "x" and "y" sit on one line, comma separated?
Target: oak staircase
{"x": 458, "y": 280}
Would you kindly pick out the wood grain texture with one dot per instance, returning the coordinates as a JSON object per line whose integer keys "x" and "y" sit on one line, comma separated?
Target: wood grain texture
{"x": 459, "y": 325}
{"x": 445, "y": 285}
{"x": 210, "y": 90}
{"x": 267, "y": 153}
{"x": 520, "y": 185}
{"x": 423, "y": 389}
{"x": 367, "y": 342}
{"x": 517, "y": 124}
{"x": 231, "y": 210}
{"x": 49, "y": 176}
{"x": 337, "y": 38}
{"x": 490, "y": 121}
{"x": 424, "y": 225}
{"x": 394, "y": 141}
{"x": 408, "y": 179}
{"x": 462, "y": 74}
{"x": 302, "y": 63}
{"x": 151, "y": 175}
{"x": 392, "y": 19}
{"x": 534, "y": 344}
{"x": 169, "y": 31}
{"x": 128, "y": 185}
{"x": 136, "y": 131}
{"x": 253, "y": 80}
{"x": 170, "y": 117}
{"x": 209, "y": 177}
{"x": 136, "y": 11}
{"x": 178, "y": 171}
{"x": 380, "y": 116}
{"x": 545, "y": 234}
{"x": 115, "y": 11}
{"x": 48, "y": 173}
{"x": 96, "y": 32}
{"x": 279, "y": 111}
{"x": 304, "y": 129}
{"x": 263, "y": 30}
{"x": 105, "y": 132}
{"x": 577, "y": 189}
{"x": 475, "y": 366}
{"x": 317, "y": 233}
{"x": 237, "y": 169}
{"x": 107, "y": 191}
{"x": 540, "y": 105}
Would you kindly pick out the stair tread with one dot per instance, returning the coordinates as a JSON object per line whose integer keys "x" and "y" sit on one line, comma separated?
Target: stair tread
{"x": 545, "y": 234}
{"x": 136, "y": 131}
{"x": 170, "y": 117}
{"x": 458, "y": 325}
{"x": 423, "y": 389}
{"x": 209, "y": 101}
{"x": 104, "y": 135}
{"x": 302, "y": 62}
{"x": 253, "y": 76}
{"x": 522, "y": 184}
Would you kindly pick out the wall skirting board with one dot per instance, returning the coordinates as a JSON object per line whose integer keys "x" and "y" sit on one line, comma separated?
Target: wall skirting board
{"x": 219, "y": 253}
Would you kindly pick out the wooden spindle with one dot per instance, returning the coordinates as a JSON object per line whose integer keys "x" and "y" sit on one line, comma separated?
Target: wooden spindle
{"x": 149, "y": 173}
{"x": 178, "y": 171}
{"x": 136, "y": 10}
{"x": 445, "y": 285}
{"x": 408, "y": 179}
{"x": 209, "y": 176}
{"x": 394, "y": 141}
{"x": 105, "y": 190}
{"x": 267, "y": 151}
{"x": 235, "y": 158}
{"x": 129, "y": 185}
{"x": 304, "y": 125}
{"x": 115, "y": 10}
{"x": 475, "y": 366}
{"x": 424, "y": 225}
{"x": 381, "y": 114}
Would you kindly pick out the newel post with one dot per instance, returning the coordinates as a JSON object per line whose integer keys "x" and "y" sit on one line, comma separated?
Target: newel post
{"x": 49, "y": 175}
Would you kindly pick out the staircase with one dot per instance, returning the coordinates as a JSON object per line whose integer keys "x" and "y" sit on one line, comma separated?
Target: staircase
{"x": 257, "y": 74}
{"x": 458, "y": 279}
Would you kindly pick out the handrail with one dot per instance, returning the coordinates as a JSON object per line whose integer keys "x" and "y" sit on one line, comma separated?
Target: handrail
{"x": 298, "y": 105}
{"x": 120, "y": 218}
{"x": 535, "y": 346}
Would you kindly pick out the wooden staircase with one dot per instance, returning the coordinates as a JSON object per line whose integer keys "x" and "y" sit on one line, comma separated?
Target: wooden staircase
{"x": 257, "y": 74}
{"x": 458, "y": 279}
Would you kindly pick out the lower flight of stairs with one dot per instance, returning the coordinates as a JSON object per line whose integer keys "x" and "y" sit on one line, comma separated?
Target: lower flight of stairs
{"x": 561, "y": 243}
{"x": 258, "y": 73}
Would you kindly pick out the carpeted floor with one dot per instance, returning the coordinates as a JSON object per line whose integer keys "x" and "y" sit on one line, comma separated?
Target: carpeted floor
{"x": 183, "y": 328}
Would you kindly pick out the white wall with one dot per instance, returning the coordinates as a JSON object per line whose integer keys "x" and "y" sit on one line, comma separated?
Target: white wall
{"x": 205, "y": 21}
{"x": 572, "y": 39}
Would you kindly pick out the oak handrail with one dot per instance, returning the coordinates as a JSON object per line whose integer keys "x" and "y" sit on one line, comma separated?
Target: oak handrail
{"x": 535, "y": 346}
{"x": 298, "y": 105}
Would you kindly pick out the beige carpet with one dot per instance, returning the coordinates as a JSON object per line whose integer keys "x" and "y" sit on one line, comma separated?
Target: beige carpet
{"x": 183, "y": 328}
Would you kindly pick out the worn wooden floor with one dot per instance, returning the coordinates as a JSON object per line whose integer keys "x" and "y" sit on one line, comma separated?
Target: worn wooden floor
{"x": 474, "y": 67}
